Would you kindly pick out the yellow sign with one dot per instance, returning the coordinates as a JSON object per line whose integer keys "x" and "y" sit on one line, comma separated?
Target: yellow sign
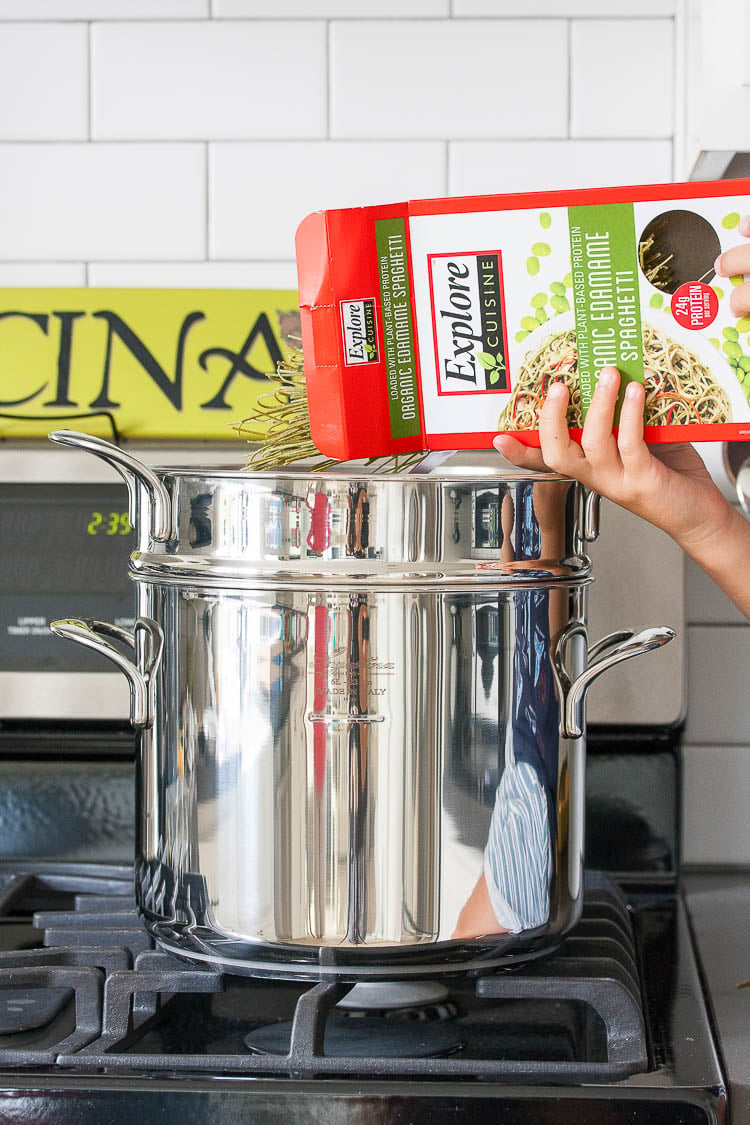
{"x": 139, "y": 363}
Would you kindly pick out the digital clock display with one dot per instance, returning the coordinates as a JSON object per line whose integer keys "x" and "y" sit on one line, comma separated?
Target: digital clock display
{"x": 65, "y": 554}
{"x": 109, "y": 523}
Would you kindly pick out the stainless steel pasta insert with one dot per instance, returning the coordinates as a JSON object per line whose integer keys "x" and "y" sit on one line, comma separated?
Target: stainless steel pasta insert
{"x": 361, "y": 706}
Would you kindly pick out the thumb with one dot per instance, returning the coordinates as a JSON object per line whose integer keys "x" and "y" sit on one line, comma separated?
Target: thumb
{"x": 520, "y": 455}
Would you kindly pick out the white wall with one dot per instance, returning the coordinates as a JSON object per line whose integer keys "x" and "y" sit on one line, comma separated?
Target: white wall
{"x": 717, "y": 754}
{"x": 179, "y": 142}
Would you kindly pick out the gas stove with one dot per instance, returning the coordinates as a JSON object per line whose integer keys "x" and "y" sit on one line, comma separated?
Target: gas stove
{"x": 96, "y": 1025}
{"x": 635, "y": 1018}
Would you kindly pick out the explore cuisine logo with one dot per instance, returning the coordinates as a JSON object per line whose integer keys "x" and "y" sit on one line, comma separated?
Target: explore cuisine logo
{"x": 468, "y": 322}
{"x": 360, "y": 334}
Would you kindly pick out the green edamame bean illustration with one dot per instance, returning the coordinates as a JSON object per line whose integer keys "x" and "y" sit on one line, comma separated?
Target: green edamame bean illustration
{"x": 532, "y": 266}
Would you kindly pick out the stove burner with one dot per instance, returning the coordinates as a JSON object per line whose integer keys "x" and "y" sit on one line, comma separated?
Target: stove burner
{"x": 399, "y": 1000}
{"x": 392, "y": 1019}
{"x": 364, "y": 1036}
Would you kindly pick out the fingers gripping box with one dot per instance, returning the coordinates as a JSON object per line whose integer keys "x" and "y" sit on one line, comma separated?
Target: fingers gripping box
{"x": 436, "y": 324}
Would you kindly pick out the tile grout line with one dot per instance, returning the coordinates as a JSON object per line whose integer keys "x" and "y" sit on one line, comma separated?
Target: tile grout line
{"x": 679, "y": 112}
{"x": 89, "y": 65}
{"x": 717, "y": 625}
{"x": 569, "y": 91}
{"x": 147, "y": 261}
{"x": 622, "y": 17}
{"x": 22, "y": 142}
{"x": 207, "y": 189}
{"x": 329, "y": 90}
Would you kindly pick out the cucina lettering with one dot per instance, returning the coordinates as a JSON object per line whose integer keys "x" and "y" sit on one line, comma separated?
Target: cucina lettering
{"x": 119, "y": 335}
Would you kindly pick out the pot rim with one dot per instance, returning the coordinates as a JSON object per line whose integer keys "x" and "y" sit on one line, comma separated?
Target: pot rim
{"x": 236, "y": 579}
{"x": 355, "y": 474}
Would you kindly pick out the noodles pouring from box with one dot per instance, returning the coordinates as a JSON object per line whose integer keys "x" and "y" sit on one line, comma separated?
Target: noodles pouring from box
{"x": 687, "y": 379}
{"x": 432, "y": 324}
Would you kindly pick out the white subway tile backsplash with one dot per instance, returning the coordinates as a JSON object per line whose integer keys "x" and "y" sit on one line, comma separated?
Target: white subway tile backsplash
{"x": 718, "y": 662}
{"x": 81, "y": 201}
{"x": 204, "y": 80}
{"x": 705, "y": 603}
{"x": 192, "y": 275}
{"x": 716, "y": 804}
{"x": 330, "y": 9}
{"x": 102, "y": 9}
{"x": 259, "y": 193}
{"x": 485, "y": 167}
{"x": 571, "y": 8}
{"x": 42, "y": 275}
{"x": 449, "y": 78}
{"x": 643, "y": 105}
{"x": 44, "y": 82}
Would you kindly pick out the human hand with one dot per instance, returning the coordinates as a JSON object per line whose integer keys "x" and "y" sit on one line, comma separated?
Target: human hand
{"x": 734, "y": 262}
{"x": 669, "y": 486}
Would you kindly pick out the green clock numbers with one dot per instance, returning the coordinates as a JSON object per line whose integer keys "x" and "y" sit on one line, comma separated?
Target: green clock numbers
{"x": 108, "y": 523}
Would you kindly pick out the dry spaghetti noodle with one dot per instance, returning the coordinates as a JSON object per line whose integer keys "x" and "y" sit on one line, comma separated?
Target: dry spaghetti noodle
{"x": 679, "y": 387}
{"x": 279, "y": 426}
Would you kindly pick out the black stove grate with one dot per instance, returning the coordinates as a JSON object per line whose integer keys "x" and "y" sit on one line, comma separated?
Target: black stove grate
{"x": 82, "y": 989}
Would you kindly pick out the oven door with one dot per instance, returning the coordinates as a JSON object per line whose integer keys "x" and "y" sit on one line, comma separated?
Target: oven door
{"x": 66, "y": 543}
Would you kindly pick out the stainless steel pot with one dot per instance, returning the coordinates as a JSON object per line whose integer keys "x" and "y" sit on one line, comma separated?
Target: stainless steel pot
{"x": 361, "y": 710}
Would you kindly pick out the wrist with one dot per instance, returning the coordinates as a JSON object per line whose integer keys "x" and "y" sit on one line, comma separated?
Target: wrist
{"x": 694, "y": 514}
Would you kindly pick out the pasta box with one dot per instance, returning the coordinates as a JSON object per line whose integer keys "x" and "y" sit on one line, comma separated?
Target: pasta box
{"x": 436, "y": 324}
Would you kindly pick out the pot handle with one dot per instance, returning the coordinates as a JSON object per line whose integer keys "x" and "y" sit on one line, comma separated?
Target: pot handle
{"x": 131, "y": 470}
{"x": 607, "y": 652}
{"x": 87, "y": 632}
{"x": 589, "y": 513}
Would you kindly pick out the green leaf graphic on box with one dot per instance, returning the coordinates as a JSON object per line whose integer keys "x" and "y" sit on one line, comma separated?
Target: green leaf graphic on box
{"x": 494, "y": 376}
{"x": 487, "y": 361}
